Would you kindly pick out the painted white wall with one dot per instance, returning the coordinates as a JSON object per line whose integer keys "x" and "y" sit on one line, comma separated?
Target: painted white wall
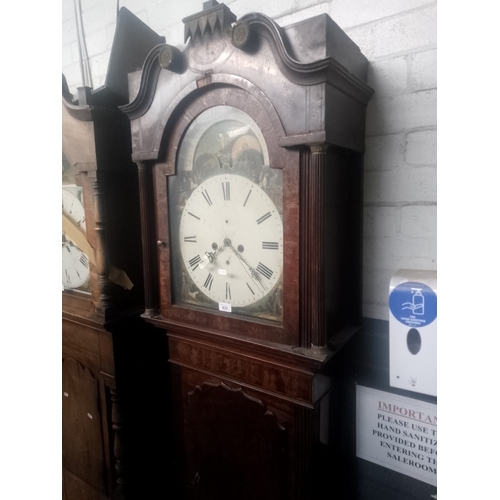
{"x": 399, "y": 39}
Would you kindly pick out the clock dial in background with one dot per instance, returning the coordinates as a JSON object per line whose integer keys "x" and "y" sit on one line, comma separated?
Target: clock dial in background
{"x": 226, "y": 218}
{"x": 75, "y": 263}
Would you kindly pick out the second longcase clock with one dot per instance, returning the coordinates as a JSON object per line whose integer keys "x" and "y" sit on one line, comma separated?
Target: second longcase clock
{"x": 104, "y": 341}
{"x": 249, "y": 150}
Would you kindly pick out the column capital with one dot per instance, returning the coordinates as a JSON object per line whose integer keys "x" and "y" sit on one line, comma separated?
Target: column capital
{"x": 317, "y": 149}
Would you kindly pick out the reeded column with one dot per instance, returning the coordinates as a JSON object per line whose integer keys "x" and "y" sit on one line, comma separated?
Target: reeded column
{"x": 313, "y": 334}
{"x": 149, "y": 250}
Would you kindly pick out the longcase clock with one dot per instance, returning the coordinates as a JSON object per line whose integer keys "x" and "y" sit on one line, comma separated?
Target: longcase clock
{"x": 102, "y": 282}
{"x": 249, "y": 149}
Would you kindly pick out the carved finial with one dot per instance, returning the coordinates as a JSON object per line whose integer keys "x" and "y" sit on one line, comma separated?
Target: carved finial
{"x": 213, "y": 16}
{"x": 210, "y": 4}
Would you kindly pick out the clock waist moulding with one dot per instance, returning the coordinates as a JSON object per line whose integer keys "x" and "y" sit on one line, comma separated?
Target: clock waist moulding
{"x": 102, "y": 296}
{"x": 249, "y": 147}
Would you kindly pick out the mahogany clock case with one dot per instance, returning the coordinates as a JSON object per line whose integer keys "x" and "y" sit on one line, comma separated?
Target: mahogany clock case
{"x": 111, "y": 369}
{"x": 257, "y": 401}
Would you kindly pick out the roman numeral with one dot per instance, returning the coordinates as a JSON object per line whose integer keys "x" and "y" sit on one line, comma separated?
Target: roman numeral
{"x": 207, "y": 197}
{"x": 250, "y": 288}
{"x": 228, "y": 291}
{"x": 67, "y": 276}
{"x": 226, "y": 191}
{"x": 194, "y": 262}
{"x": 84, "y": 260}
{"x": 264, "y": 217}
{"x": 209, "y": 281}
{"x": 264, "y": 270}
{"x": 270, "y": 245}
{"x": 192, "y": 215}
{"x": 190, "y": 239}
{"x": 248, "y": 196}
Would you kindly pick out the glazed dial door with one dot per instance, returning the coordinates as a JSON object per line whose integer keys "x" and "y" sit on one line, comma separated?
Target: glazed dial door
{"x": 225, "y": 207}
{"x": 75, "y": 263}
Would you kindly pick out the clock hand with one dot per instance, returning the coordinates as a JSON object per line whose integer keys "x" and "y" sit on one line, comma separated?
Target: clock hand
{"x": 211, "y": 256}
{"x": 253, "y": 273}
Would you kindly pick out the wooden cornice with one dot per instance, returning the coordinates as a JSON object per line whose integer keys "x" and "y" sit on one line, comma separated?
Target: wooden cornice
{"x": 326, "y": 70}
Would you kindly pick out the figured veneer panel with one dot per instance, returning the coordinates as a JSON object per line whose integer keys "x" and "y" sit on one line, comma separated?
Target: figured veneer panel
{"x": 221, "y": 422}
{"x": 285, "y": 381}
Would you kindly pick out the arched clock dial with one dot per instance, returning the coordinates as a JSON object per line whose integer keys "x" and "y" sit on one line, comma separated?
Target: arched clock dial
{"x": 231, "y": 240}
{"x": 225, "y": 206}
{"x": 75, "y": 263}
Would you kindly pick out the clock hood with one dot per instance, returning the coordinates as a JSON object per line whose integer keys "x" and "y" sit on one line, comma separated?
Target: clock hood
{"x": 311, "y": 65}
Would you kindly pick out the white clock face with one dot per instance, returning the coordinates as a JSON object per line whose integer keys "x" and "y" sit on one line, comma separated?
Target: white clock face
{"x": 75, "y": 264}
{"x": 72, "y": 207}
{"x": 231, "y": 240}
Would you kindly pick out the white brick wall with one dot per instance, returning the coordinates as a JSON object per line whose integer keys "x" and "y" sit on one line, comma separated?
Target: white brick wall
{"x": 400, "y": 113}
{"x": 389, "y": 77}
{"x": 421, "y": 147}
{"x": 404, "y": 33}
{"x": 422, "y": 73}
{"x": 399, "y": 39}
{"x": 384, "y": 152}
{"x": 353, "y": 13}
{"x": 274, "y": 9}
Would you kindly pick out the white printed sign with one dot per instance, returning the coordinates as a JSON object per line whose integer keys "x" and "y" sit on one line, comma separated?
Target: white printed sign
{"x": 397, "y": 432}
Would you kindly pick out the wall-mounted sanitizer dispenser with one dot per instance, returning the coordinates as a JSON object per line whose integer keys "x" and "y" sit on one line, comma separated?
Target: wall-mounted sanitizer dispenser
{"x": 413, "y": 331}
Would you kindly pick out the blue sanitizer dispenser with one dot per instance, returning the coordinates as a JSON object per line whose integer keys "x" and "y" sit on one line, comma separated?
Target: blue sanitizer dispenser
{"x": 413, "y": 331}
